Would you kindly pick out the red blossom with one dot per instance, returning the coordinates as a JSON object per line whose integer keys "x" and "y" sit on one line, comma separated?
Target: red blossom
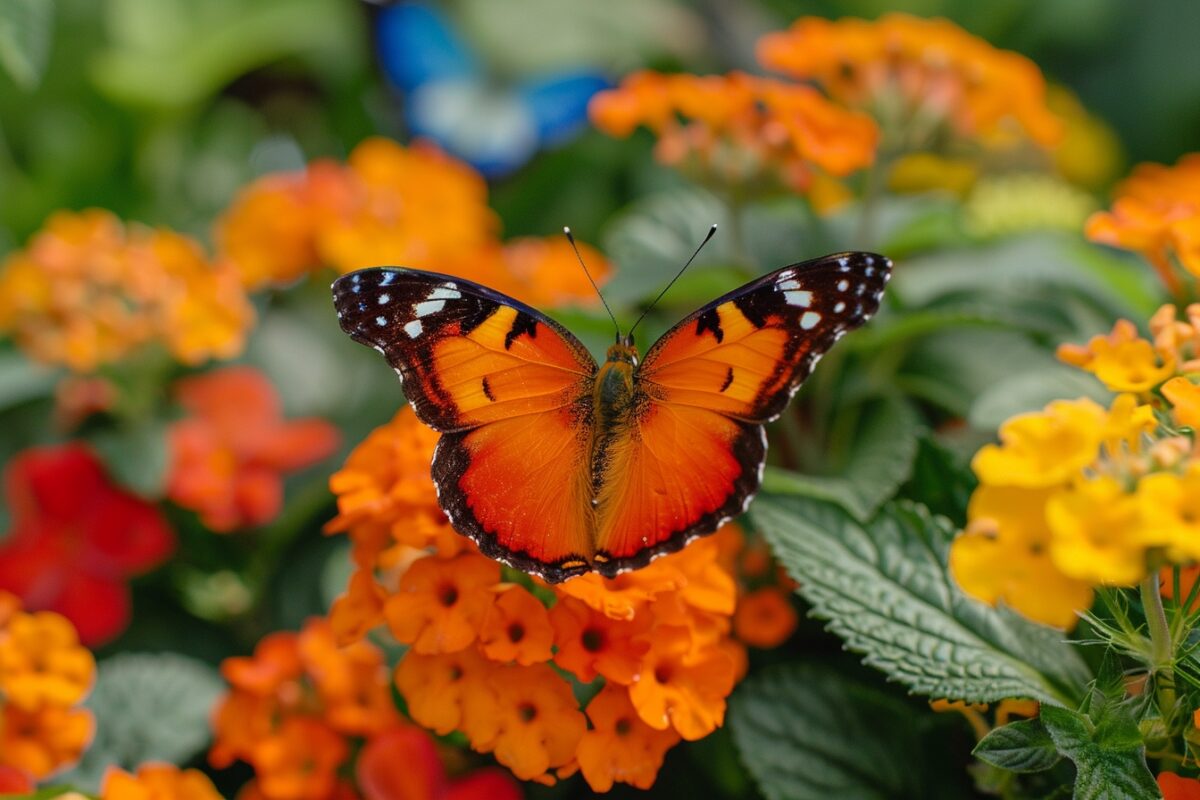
{"x": 403, "y": 764}
{"x": 76, "y": 538}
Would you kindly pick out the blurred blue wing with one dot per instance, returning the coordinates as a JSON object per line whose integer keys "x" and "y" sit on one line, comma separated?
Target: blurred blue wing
{"x": 417, "y": 46}
{"x": 558, "y": 103}
{"x": 448, "y": 98}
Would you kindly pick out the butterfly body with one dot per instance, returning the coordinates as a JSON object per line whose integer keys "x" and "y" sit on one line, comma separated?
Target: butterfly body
{"x": 558, "y": 465}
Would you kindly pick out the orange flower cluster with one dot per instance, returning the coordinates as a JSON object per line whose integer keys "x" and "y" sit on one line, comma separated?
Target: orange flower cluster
{"x": 297, "y": 707}
{"x": 1156, "y": 212}
{"x": 88, "y": 290}
{"x": 44, "y": 674}
{"x": 916, "y": 74}
{"x": 228, "y": 457}
{"x": 740, "y": 129}
{"x": 488, "y": 648}
{"x": 158, "y": 782}
{"x": 393, "y": 205}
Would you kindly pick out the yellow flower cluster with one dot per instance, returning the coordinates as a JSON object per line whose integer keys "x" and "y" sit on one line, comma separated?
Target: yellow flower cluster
{"x": 44, "y": 675}
{"x": 1077, "y": 496}
{"x": 88, "y": 290}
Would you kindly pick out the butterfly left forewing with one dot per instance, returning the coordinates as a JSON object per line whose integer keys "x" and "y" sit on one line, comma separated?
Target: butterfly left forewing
{"x": 693, "y": 455}
{"x": 511, "y": 392}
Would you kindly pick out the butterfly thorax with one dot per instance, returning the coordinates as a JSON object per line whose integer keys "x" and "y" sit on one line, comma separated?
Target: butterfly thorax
{"x": 613, "y": 394}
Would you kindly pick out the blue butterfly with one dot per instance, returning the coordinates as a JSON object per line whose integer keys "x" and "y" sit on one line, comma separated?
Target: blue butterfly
{"x": 449, "y": 98}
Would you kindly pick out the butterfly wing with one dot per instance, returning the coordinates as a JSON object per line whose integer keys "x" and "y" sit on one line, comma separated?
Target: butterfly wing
{"x": 692, "y": 456}
{"x": 510, "y": 390}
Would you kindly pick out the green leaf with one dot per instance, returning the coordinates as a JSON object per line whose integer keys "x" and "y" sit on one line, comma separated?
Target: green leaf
{"x": 22, "y": 380}
{"x": 1030, "y": 390}
{"x": 136, "y": 456}
{"x": 1021, "y": 746}
{"x": 148, "y": 707}
{"x": 25, "y": 39}
{"x": 807, "y": 733}
{"x": 880, "y": 459}
{"x": 941, "y": 478}
{"x": 885, "y": 590}
{"x": 1109, "y": 755}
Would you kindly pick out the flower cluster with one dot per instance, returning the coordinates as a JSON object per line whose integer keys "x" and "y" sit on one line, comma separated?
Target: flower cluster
{"x": 296, "y": 708}
{"x": 44, "y": 674}
{"x": 1077, "y": 496}
{"x": 88, "y": 290}
{"x": 76, "y": 538}
{"x": 228, "y": 455}
{"x": 488, "y": 650}
{"x": 157, "y": 782}
{"x": 916, "y": 75}
{"x": 1156, "y": 212}
{"x": 390, "y": 204}
{"x": 740, "y": 129}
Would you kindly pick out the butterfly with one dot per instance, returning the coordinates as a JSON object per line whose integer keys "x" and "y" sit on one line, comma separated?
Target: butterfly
{"x": 451, "y": 98}
{"x": 557, "y": 465}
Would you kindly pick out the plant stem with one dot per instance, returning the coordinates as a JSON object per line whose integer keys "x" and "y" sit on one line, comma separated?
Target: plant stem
{"x": 1161, "y": 649}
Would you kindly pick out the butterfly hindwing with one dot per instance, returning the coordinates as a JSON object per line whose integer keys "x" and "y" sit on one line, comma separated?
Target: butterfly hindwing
{"x": 693, "y": 455}
{"x": 509, "y": 388}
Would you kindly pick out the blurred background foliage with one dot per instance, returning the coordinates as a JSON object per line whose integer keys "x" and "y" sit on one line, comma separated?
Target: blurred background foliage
{"x": 160, "y": 110}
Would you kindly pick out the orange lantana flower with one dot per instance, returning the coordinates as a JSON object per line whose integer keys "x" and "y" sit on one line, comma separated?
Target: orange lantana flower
{"x": 42, "y": 662}
{"x": 1156, "y": 212}
{"x": 436, "y": 689}
{"x": 1175, "y": 787}
{"x": 680, "y": 689}
{"x": 228, "y": 457}
{"x": 937, "y": 71}
{"x": 1122, "y": 360}
{"x": 620, "y": 747}
{"x": 299, "y": 761}
{"x": 441, "y": 603}
{"x": 89, "y": 290}
{"x": 158, "y": 782}
{"x": 765, "y": 617}
{"x": 516, "y": 628}
{"x": 43, "y": 741}
{"x": 537, "y": 723}
{"x": 740, "y": 129}
{"x": 591, "y": 643}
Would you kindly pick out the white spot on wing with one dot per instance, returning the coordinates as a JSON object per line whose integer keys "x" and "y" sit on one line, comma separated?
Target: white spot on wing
{"x": 413, "y": 329}
{"x": 810, "y": 320}
{"x": 429, "y": 307}
{"x": 381, "y": 321}
{"x": 839, "y": 308}
{"x": 787, "y": 285}
{"x": 388, "y": 277}
{"x": 444, "y": 293}
{"x": 384, "y": 299}
{"x": 843, "y": 285}
{"x": 802, "y": 299}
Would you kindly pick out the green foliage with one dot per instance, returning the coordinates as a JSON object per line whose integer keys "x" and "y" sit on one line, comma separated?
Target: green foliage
{"x": 136, "y": 455}
{"x": 879, "y": 459}
{"x": 806, "y": 733}
{"x": 1021, "y": 746}
{"x": 25, "y": 27}
{"x": 148, "y": 707}
{"x": 884, "y": 588}
{"x": 1107, "y": 750}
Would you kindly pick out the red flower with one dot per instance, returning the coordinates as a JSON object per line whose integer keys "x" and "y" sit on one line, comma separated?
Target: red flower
{"x": 76, "y": 538}
{"x": 403, "y": 764}
{"x": 229, "y": 457}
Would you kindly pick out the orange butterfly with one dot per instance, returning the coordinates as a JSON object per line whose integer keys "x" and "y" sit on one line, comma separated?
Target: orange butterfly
{"x": 557, "y": 465}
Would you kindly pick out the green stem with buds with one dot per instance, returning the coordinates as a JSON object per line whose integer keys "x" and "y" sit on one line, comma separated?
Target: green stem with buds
{"x": 1161, "y": 649}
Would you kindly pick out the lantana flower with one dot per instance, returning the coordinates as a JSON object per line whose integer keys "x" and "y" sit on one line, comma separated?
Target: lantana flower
{"x": 228, "y": 456}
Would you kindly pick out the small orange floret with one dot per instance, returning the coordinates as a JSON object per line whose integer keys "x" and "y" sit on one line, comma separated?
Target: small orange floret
{"x": 442, "y": 602}
{"x": 765, "y": 618}
{"x": 158, "y": 782}
{"x": 680, "y": 688}
{"x": 516, "y": 628}
{"x": 620, "y": 747}
{"x": 591, "y": 643}
{"x": 300, "y": 760}
{"x": 42, "y": 662}
{"x": 436, "y": 688}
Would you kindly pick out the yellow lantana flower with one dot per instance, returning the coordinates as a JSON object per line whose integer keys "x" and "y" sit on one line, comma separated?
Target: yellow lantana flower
{"x": 1093, "y": 541}
{"x": 1184, "y": 397}
{"x": 1043, "y": 448}
{"x": 1122, "y": 360}
{"x": 1170, "y": 512}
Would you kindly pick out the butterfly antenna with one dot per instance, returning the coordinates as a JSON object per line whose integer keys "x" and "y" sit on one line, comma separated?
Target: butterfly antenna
{"x": 575, "y": 247}
{"x": 711, "y": 232}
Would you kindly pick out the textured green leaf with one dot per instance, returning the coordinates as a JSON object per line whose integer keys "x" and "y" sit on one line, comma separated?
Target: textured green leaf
{"x": 25, "y": 39}
{"x": 1109, "y": 755}
{"x": 148, "y": 707}
{"x": 885, "y": 590}
{"x": 879, "y": 460}
{"x": 1021, "y": 746}
{"x": 807, "y": 733}
{"x": 22, "y": 380}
